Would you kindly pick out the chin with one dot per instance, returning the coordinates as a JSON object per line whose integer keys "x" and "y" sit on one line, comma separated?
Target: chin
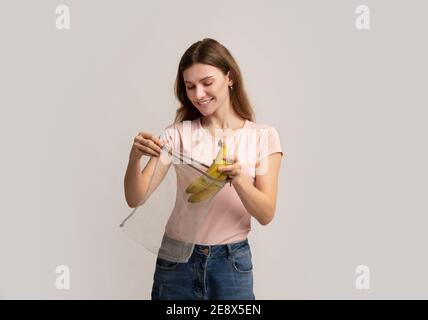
{"x": 207, "y": 112}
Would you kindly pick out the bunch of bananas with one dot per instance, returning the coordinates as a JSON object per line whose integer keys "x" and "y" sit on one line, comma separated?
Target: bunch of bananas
{"x": 203, "y": 187}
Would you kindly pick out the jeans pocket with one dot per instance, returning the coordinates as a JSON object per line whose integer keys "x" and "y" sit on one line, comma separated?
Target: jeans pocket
{"x": 166, "y": 265}
{"x": 242, "y": 261}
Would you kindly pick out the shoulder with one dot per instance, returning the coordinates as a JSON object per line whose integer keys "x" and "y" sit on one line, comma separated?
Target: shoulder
{"x": 267, "y": 138}
{"x": 261, "y": 128}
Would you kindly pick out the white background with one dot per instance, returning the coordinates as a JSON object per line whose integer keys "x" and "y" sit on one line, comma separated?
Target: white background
{"x": 349, "y": 105}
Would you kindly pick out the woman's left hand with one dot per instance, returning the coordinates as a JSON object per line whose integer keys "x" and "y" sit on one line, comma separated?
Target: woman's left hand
{"x": 233, "y": 170}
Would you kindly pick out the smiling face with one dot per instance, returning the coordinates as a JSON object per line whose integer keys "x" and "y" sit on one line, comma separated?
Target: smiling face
{"x": 207, "y": 88}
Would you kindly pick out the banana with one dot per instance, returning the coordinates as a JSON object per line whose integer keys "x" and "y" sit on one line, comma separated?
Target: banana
{"x": 203, "y": 182}
{"x": 204, "y": 194}
{"x": 202, "y": 188}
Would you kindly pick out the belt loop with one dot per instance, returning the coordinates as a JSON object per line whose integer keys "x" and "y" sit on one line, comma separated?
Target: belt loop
{"x": 229, "y": 250}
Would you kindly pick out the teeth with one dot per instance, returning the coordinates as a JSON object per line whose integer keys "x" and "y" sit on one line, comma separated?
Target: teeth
{"x": 205, "y": 102}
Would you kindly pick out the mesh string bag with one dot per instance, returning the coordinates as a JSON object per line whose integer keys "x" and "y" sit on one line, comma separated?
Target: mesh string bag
{"x": 156, "y": 223}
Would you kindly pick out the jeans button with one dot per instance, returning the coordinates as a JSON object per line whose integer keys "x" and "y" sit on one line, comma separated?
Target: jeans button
{"x": 205, "y": 250}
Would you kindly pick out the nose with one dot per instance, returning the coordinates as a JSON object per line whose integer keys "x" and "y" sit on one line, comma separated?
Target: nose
{"x": 199, "y": 92}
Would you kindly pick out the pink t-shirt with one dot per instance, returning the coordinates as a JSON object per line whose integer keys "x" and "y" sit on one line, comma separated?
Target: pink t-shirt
{"x": 227, "y": 220}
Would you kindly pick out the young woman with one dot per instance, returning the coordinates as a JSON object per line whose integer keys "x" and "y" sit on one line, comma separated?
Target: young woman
{"x": 214, "y": 104}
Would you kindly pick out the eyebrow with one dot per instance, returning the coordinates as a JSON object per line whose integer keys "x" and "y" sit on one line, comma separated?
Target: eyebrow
{"x": 201, "y": 79}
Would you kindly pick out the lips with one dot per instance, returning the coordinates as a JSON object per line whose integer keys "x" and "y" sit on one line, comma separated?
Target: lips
{"x": 205, "y": 102}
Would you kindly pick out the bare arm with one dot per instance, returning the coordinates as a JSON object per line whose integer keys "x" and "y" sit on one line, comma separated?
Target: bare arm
{"x": 260, "y": 199}
{"x": 137, "y": 181}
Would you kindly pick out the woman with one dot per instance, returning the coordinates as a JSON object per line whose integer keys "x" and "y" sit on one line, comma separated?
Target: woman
{"x": 214, "y": 104}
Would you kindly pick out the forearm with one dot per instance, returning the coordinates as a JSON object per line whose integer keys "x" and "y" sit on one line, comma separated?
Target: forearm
{"x": 258, "y": 204}
{"x": 134, "y": 183}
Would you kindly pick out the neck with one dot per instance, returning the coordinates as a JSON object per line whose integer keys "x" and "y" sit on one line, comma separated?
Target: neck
{"x": 223, "y": 118}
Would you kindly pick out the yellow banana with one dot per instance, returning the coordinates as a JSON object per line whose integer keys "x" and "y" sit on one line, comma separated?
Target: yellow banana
{"x": 204, "y": 194}
{"x": 202, "y": 183}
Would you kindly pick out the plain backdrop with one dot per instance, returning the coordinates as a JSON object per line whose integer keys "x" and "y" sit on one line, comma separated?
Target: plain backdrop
{"x": 349, "y": 106}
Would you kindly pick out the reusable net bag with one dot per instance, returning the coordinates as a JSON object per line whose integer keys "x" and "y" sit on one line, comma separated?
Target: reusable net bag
{"x": 166, "y": 222}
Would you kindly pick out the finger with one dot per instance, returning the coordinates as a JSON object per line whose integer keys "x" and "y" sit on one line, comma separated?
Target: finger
{"x": 226, "y": 169}
{"x": 235, "y": 172}
{"x": 233, "y": 159}
{"x": 154, "y": 146}
{"x": 232, "y": 166}
{"x": 158, "y": 141}
{"x": 140, "y": 140}
{"x": 149, "y": 136}
{"x": 153, "y": 138}
{"x": 145, "y": 135}
{"x": 149, "y": 143}
{"x": 221, "y": 169}
{"x": 146, "y": 150}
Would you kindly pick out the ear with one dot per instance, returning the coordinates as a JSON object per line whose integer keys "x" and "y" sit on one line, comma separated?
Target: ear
{"x": 230, "y": 80}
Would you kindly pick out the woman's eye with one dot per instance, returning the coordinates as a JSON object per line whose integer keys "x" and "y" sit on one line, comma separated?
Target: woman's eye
{"x": 205, "y": 84}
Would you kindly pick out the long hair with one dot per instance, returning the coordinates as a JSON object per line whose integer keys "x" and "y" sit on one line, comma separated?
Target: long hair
{"x": 211, "y": 52}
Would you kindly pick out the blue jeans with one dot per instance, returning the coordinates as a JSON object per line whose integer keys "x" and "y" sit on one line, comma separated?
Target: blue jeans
{"x": 218, "y": 272}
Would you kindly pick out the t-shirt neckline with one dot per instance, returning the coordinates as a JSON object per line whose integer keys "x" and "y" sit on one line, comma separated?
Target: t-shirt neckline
{"x": 207, "y": 133}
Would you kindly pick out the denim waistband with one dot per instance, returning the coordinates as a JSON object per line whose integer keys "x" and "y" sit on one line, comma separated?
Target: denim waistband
{"x": 220, "y": 249}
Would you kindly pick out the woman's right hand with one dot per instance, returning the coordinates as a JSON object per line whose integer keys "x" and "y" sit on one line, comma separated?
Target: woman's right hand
{"x": 145, "y": 144}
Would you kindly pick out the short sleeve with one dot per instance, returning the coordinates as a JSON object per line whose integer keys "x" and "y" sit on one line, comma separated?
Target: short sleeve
{"x": 269, "y": 142}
